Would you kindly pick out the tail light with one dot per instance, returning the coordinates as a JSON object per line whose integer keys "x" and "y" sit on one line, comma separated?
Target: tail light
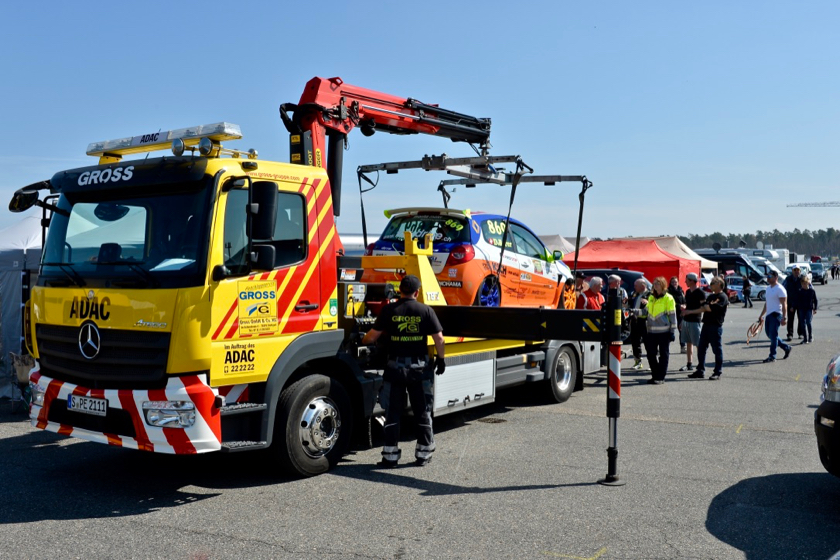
{"x": 460, "y": 255}
{"x": 369, "y": 250}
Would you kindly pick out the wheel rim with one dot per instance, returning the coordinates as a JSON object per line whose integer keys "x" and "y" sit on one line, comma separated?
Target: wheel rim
{"x": 320, "y": 426}
{"x": 489, "y": 295}
{"x": 563, "y": 371}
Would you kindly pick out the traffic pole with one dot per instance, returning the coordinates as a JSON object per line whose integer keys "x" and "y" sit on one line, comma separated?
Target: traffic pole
{"x": 614, "y": 312}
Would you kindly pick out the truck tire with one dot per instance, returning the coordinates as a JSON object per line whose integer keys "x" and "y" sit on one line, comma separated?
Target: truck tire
{"x": 563, "y": 374}
{"x": 313, "y": 425}
{"x": 829, "y": 463}
{"x": 489, "y": 293}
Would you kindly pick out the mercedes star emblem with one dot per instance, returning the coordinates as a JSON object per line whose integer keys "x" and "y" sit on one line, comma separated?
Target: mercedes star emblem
{"x": 89, "y": 340}
{"x": 90, "y": 294}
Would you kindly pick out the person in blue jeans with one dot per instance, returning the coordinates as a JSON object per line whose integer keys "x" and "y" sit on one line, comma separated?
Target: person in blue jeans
{"x": 775, "y": 308}
{"x": 806, "y": 308}
{"x": 711, "y": 334}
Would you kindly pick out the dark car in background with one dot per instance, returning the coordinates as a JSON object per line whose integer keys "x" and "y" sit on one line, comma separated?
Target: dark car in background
{"x": 628, "y": 277}
{"x": 818, "y": 273}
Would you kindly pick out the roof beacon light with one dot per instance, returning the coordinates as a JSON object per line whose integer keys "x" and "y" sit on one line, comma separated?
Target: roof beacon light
{"x": 113, "y": 150}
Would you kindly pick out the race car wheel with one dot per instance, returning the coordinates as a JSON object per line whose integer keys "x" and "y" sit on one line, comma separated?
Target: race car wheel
{"x": 489, "y": 293}
{"x": 313, "y": 425}
{"x": 563, "y": 374}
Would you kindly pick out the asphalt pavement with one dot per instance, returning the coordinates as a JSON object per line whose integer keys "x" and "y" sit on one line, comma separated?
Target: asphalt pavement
{"x": 713, "y": 470}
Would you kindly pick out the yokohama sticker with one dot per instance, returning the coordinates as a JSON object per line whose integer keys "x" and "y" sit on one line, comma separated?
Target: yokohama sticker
{"x": 450, "y": 284}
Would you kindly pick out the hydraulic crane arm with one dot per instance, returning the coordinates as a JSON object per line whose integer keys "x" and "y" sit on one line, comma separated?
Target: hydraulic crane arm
{"x": 329, "y": 109}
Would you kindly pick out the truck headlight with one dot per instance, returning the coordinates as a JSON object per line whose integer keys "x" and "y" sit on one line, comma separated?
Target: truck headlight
{"x": 169, "y": 414}
{"x": 831, "y": 381}
{"x": 37, "y": 394}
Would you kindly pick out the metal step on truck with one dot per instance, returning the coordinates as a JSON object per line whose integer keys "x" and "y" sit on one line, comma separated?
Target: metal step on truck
{"x": 195, "y": 303}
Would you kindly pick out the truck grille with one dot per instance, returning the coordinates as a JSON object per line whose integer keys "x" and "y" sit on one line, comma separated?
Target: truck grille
{"x": 126, "y": 359}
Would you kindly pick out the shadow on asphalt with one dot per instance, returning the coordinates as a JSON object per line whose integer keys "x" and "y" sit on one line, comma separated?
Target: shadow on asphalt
{"x": 51, "y": 477}
{"x": 430, "y": 488}
{"x": 779, "y": 516}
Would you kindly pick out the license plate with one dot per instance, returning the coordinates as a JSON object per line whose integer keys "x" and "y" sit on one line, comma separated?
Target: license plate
{"x": 87, "y": 405}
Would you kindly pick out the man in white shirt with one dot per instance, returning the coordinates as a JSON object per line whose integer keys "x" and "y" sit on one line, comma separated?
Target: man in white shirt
{"x": 775, "y": 307}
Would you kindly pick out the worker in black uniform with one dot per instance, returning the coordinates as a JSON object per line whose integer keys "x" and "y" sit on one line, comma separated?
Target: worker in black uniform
{"x": 408, "y": 322}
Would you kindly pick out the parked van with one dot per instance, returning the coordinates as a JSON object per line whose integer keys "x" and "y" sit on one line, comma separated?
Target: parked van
{"x": 732, "y": 262}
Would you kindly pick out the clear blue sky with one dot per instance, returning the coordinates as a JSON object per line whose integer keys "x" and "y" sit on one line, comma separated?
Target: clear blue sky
{"x": 688, "y": 117}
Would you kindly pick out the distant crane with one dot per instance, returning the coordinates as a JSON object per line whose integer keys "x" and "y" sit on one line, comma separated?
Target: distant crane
{"x": 832, "y": 204}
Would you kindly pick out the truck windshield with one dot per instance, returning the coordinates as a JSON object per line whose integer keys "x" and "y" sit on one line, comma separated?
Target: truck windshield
{"x": 154, "y": 240}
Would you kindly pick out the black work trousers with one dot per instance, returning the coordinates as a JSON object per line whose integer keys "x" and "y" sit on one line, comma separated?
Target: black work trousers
{"x": 417, "y": 381}
{"x": 638, "y": 329}
{"x": 791, "y": 320}
{"x": 658, "y": 346}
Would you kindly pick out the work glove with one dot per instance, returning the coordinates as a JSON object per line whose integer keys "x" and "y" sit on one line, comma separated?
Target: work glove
{"x": 440, "y": 366}
{"x": 673, "y": 336}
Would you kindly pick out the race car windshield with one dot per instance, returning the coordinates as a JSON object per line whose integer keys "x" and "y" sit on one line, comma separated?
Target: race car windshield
{"x": 136, "y": 241}
{"x": 444, "y": 229}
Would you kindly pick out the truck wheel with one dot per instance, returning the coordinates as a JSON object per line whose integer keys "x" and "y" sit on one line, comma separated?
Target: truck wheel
{"x": 313, "y": 425}
{"x": 830, "y": 463}
{"x": 489, "y": 293}
{"x": 563, "y": 374}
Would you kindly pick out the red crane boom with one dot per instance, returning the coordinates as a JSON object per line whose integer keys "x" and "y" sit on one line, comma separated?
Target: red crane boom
{"x": 329, "y": 109}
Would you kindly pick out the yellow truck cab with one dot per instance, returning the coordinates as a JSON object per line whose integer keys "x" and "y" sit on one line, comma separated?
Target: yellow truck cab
{"x": 192, "y": 303}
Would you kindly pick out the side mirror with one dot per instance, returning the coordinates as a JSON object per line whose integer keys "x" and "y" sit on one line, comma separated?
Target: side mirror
{"x": 263, "y": 257}
{"x": 27, "y": 197}
{"x": 262, "y": 209}
{"x": 23, "y": 200}
{"x": 558, "y": 255}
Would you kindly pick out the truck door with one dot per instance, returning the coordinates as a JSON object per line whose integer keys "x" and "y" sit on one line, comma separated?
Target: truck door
{"x": 256, "y": 315}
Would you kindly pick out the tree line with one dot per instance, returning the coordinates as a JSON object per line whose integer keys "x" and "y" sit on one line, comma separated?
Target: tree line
{"x": 823, "y": 242}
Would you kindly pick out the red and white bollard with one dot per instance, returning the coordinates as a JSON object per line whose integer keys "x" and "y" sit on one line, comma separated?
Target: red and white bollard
{"x": 614, "y": 312}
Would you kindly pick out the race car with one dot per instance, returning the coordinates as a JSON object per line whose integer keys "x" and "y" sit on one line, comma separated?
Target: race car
{"x": 466, "y": 250}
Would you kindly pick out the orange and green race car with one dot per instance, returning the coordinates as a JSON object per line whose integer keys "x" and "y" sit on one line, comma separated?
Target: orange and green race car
{"x": 466, "y": 253}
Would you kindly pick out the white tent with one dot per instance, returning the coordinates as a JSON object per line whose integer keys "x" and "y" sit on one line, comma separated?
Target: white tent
{"x": 20, "y": 253}
{"x": 560, "y": 243}
{"x": 677, "y": 248}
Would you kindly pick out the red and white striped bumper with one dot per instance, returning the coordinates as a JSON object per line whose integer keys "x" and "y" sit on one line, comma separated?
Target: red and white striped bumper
{"x": 125, "y": 415}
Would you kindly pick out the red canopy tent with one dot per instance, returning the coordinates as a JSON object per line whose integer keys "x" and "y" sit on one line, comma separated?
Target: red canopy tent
{"x": 631, "y": 254}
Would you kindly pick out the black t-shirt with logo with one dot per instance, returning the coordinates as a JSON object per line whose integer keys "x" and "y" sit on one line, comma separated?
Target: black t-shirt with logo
{"x": 694, "y": 299}
{"x": 407, "y": 323}
{"x": 718, "y": 304}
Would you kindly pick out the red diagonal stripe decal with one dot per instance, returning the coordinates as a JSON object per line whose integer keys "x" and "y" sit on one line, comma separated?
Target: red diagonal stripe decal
{"x": 128, "y": 404}
{"x": 225, "y": 320}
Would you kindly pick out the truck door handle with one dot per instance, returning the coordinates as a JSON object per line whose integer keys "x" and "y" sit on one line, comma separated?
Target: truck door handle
{"x": 306, "y": 307}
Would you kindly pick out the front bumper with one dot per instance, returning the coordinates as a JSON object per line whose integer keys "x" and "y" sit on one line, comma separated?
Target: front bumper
{"x": 828, "y": 436}
{"x": 124, "y": 424}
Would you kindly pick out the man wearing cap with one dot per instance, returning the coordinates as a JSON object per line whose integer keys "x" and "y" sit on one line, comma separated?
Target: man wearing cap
{"x": 580, "y": 288}
{"x": 408, "y": 322}
{"x": 792, "y": 285}
{"x": 695, "y": 298}
{"x": 711, "y": 334}
{"x": 775, "y": 306}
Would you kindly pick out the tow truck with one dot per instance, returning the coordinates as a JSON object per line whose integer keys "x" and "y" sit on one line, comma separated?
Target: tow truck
{"x": 198, "y": 302}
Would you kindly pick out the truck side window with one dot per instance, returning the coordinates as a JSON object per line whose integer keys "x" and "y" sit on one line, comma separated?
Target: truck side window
{"x": 290, "y": 230}
{"x": 236, "y": 238}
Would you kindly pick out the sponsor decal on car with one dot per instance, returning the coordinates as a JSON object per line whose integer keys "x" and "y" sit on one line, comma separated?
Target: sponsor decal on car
{"x": 450, "y": 284}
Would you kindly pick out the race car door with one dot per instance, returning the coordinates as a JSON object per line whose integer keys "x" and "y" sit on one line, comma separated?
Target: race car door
{"x": 493, "y": 230}
{"x": 538, "y": 279}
